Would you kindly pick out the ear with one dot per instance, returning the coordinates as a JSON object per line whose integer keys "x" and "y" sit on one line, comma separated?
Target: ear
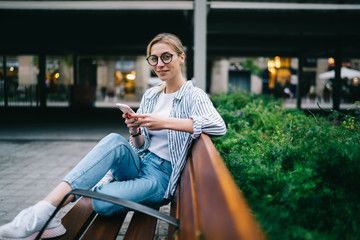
{"x": 182, "y": 58}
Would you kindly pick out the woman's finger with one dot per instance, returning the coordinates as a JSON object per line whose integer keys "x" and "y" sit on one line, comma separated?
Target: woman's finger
{"x": 125, "y": 115}
{"x": 138, "y": 115}
{"x": 130, "y": 121}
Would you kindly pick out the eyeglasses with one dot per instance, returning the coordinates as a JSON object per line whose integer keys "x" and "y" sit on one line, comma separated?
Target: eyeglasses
{"x": 165, "y": 58}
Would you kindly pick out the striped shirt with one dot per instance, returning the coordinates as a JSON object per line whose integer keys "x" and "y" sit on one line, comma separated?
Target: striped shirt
{"x": 190, "y": 102}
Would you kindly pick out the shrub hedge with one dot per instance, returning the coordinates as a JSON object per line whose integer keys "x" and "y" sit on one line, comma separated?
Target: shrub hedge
{"x": 299, "y": 173}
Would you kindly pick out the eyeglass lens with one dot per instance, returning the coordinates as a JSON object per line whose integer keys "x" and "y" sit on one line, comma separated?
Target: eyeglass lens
{"x": 165, "y": 58}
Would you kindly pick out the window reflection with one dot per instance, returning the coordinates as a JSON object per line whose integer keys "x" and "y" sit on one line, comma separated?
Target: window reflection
{"x": 21, "y": 76}
{"x": 59, "y": 79}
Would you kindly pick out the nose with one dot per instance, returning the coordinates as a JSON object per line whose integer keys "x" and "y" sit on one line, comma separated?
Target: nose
{"x": 160, "y": 62}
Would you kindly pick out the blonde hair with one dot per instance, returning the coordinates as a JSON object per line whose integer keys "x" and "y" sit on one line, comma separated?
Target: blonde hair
{"x": 168, "y": 38}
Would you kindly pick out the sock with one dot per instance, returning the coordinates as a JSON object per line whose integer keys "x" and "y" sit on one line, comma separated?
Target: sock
{"x": 44, "y": 207}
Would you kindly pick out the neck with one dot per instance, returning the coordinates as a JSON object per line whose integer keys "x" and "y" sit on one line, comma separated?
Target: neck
{"x": 174, "y": 86}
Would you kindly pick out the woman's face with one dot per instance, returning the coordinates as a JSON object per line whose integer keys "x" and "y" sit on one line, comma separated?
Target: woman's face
{"x": 170, "y": 70}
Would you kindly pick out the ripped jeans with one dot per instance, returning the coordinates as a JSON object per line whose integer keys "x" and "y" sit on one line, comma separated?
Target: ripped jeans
{"x": 140, "y": 179}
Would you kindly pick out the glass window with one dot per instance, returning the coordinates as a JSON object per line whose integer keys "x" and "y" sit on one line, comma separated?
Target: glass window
{"x": 2, "y": 83}
{"x": 115, "y": 80}
{"x": 101, "y": 81}
{"x": 59, "y": 80}
{"x": 21, "y": 77}
{"x": 279, "y": 77}
{"x": 317, "y": 83}
{"x": 350, "y": 75}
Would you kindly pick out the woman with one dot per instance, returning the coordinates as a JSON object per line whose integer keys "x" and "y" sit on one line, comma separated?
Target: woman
{"x": 146, "y": 168}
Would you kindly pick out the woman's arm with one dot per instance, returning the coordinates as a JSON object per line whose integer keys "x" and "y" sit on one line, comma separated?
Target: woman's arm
{"x": 206, "y": 118}
{"x": 203, "y": 117}
{"x": 134, "y": 129}
{"x": 156, "y": 122}
{"x": 138, "y": 140}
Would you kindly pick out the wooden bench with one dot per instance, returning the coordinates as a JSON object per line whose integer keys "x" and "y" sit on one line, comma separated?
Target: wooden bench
{"x": 208, "y": 205}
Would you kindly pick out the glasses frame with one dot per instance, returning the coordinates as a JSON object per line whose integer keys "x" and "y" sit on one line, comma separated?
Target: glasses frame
{"x": 161, "y": 57}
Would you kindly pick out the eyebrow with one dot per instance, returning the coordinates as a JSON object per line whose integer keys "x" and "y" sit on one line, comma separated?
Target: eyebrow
{"x": 160, "y": 54}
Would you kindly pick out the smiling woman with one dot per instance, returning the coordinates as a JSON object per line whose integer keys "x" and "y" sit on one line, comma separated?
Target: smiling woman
{"x": 171, "y": 52}
{"x": 145, "y": 169}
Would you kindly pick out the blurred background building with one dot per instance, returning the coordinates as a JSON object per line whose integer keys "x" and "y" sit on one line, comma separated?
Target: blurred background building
{"x": 92, "y": 53}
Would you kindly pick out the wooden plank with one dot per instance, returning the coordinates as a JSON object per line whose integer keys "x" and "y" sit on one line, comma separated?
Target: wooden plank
{"x": 104, "y": 228}
{"x": 141, "y": 227}
{"x": 174, "y": 213}
{"x": 188, "y": 210}
{"x": 77, "y": 219}
{"x": 223, "y": 210}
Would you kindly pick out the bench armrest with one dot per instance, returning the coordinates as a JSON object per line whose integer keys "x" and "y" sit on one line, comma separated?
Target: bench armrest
{"x": 126, "y": 203}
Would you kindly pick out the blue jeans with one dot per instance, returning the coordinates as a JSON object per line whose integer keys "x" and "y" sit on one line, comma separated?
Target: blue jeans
{"x": 143, "y": 180}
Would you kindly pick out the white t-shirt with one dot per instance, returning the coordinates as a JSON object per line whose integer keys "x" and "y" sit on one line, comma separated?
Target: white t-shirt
{"x": 159, "y": 140}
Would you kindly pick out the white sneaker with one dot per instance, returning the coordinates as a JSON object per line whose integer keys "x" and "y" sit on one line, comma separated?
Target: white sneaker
{"x": 27, "y": 224}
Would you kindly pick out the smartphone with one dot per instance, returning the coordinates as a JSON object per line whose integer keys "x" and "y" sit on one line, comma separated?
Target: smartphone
{"x": 125, "y": 108}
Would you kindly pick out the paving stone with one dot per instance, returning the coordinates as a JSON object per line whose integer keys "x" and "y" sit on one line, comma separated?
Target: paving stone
{"x": 29, "y": 171}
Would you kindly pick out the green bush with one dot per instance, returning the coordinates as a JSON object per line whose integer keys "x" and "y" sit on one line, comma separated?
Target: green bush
{"x": 299, "y": 173}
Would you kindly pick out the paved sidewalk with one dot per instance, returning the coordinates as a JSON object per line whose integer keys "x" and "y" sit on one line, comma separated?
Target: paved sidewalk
{"x": 35, "y": 156}
{"x": 31, "y": 169}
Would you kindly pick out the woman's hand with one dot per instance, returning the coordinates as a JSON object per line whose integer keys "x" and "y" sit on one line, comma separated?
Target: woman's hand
{"x": 151, "y": 121}
{"x": 156, "y": 122}
{"x": 131, "y": 121}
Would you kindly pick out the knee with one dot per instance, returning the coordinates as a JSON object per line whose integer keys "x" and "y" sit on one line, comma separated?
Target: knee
{"x": 107, "y": 209}
{"x": 114, "y": 138}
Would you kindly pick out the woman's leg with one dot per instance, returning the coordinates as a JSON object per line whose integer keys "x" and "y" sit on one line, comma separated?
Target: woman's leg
{"x": 58, "y": 193}
{"x": 148, "y": 189}
{"x": 113, "y": 151}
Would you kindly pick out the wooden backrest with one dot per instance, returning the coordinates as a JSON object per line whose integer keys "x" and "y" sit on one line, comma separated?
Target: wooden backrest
{"x": 210, "y": 205}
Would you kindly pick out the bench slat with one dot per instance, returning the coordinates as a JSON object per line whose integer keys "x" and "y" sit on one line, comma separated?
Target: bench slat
{"x": 77, "y": 219}
{"x": 223, "y": 210}
{"x": 189, "y": 228}
{"x": 104, "y": 228}
{"x": 174, "y": 213}
{"x": 145, "y": 223}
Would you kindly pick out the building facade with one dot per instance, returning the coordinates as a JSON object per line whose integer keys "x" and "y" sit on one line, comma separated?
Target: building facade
{"x": 91, "y": 53}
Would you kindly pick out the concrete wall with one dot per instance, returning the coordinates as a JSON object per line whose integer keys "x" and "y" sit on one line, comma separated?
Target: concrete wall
{"x": 220, "y": 76}
{"x": 143, "y": 74}
{"x": 27, "y": 72}
{"x": 322, "y": 66}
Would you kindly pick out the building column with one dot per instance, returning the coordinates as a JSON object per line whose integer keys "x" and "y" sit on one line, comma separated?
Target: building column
{"x": 76, "y": 69}
{"x": 300, "y": 82}
{"x": 5, "y": 82}
{"x": 110, "y": 64}
{"x": 25, "y": 70}
{"x": 41, "y": 80}
{"x": 336, "y": 86}
{"x": 220, "y": 76}
{"x": 102, "y": 78}
{"x": 322, "y": 66}
{"x": 200, "y": 22}
{"x": 142, "y": 70}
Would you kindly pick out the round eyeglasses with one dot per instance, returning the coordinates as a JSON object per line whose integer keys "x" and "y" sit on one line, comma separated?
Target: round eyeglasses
{"x": 165, "y": 58}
